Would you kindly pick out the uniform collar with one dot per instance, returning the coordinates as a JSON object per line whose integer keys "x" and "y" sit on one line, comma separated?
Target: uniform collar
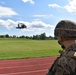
{"x": 72, "y": 47}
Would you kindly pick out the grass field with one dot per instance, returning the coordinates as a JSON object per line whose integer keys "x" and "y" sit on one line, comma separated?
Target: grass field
{"x": 22, "y": 48}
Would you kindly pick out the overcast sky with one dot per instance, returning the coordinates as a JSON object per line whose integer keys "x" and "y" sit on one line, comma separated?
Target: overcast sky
{"x": 39, "y": 15}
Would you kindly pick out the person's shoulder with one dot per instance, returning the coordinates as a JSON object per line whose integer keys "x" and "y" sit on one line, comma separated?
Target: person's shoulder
{"x": 72, "y": 47}
{"x": 71, "y": 51}
{"x": 62, "y": 60}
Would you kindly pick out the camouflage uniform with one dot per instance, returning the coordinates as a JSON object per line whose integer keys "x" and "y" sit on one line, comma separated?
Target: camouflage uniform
{"x": 65, "y": 64}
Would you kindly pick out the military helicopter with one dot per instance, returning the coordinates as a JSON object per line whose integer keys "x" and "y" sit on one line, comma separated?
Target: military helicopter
{"x": 21, "y": 26}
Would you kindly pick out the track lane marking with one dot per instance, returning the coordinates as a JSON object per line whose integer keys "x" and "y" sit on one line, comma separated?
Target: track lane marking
{"x": 26, "y": 72}
{"x": 26, "y": 66}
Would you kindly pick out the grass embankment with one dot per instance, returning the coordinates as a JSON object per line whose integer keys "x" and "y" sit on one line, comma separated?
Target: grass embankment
{"x": 22, "y": 48}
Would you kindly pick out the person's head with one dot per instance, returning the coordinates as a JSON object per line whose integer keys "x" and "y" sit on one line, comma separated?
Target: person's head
{"x": 65, "y": 30}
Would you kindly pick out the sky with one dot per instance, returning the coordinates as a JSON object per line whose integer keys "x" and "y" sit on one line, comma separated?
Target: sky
{"x": 40, "y": 16}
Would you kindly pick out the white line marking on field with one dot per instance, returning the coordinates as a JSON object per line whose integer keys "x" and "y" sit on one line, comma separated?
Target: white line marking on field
{"x": 25, "y": 66}
{"x": 25, "y": 72}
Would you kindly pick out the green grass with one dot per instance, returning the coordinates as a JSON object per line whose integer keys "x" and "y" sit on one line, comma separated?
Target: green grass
{"x": 22, "y": 48}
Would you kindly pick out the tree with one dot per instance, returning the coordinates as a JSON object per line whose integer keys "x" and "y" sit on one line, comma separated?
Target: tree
{"x": 55, "y": 38}
{"x": 7, "y": 36}
{"x": 2, "y": 36}
{"x": 14, "y": 36}
{"x": 22, "y": 36}
{"x": 50, "y": 37}
{"x": 43, "y": 36}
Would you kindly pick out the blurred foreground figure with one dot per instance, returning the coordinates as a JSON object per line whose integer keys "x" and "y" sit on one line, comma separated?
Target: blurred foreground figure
{"x": 65, "y": 64}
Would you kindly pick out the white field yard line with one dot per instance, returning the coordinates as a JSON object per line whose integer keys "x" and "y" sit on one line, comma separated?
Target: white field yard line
{"x": 26, "y": 66}
{"x": 45, "y": 70}
{"x": 25, "y": 61}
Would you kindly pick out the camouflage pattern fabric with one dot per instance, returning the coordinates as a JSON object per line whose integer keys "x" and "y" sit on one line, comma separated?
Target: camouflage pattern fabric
{"x": 65, "y": 28}
{"x": 66, "y": 63}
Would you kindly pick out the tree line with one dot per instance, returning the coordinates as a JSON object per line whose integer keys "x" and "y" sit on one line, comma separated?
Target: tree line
{"x": 34, "y": 37}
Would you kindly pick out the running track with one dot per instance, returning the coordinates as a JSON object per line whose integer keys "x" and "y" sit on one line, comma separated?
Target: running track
{"x": 35, "y": 66}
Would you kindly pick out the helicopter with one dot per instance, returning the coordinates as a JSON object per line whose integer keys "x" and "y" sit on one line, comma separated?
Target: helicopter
{"x": 21, "y": 26}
